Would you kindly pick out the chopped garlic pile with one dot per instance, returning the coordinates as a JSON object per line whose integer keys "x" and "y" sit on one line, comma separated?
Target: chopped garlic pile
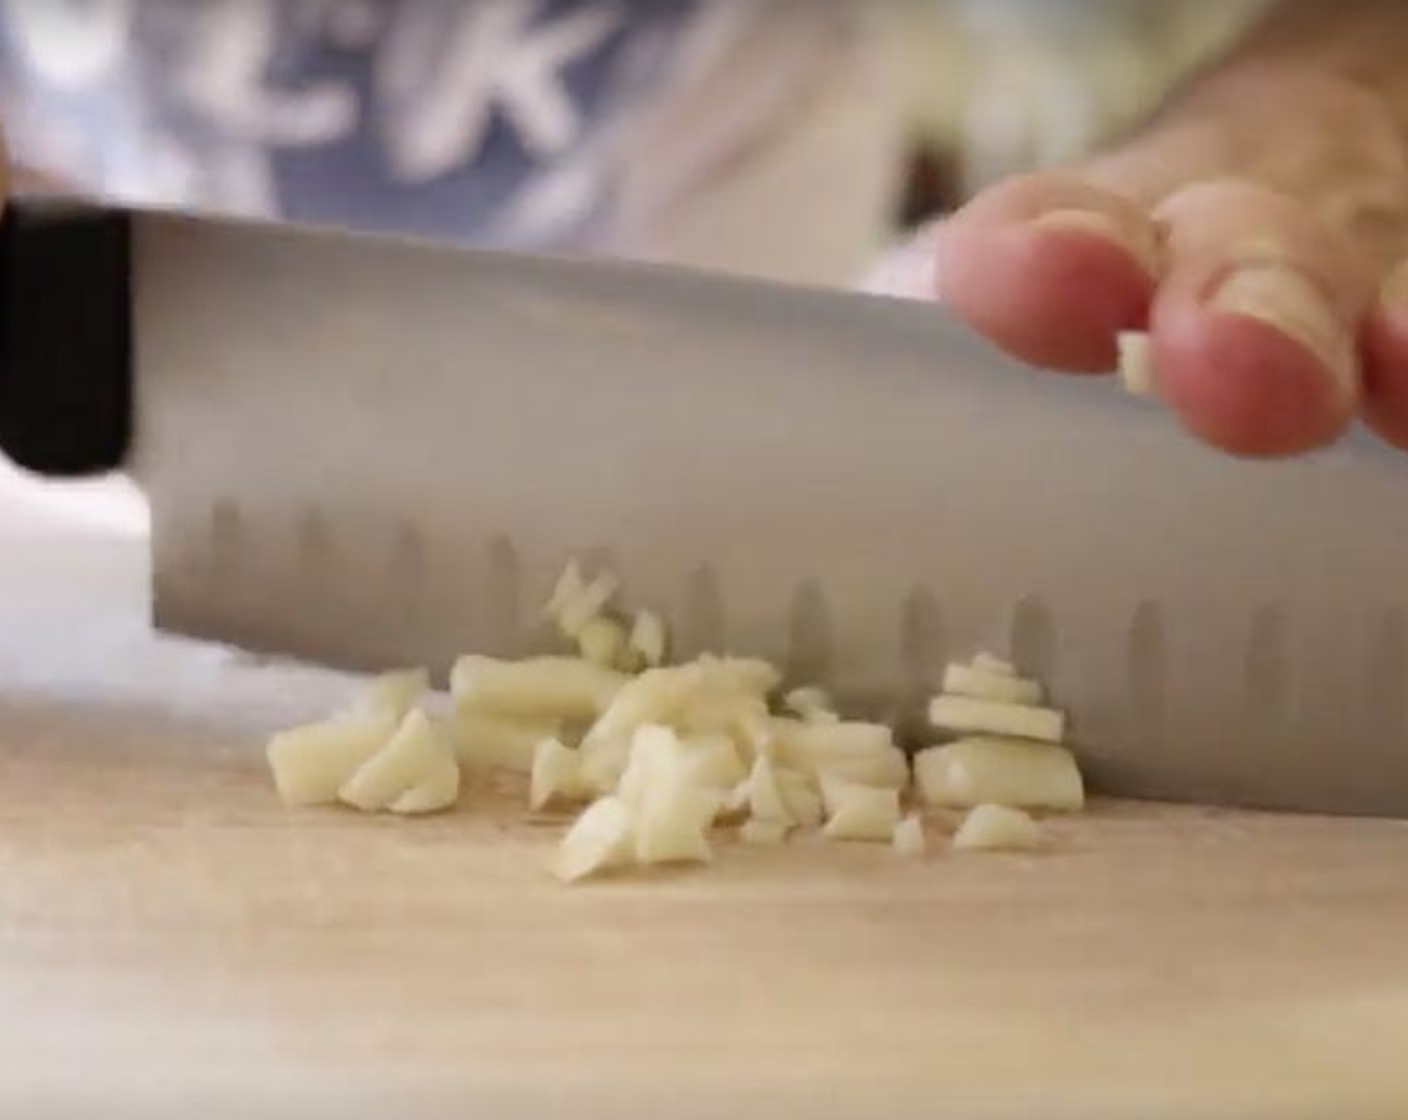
{"x": 580, "y": 609}
{"x": 384, "y": 755}
{"x": 655, "y": 758}
{"x": 1008, "y": 751}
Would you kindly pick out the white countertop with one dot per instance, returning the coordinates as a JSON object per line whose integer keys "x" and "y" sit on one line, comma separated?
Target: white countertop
{"x": 77, "y": 651}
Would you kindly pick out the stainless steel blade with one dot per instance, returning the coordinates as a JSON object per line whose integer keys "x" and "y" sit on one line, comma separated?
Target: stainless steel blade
{"x": 375, "y": 453}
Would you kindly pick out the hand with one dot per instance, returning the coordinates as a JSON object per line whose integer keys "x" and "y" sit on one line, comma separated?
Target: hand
{"x": 1256, "y": 230}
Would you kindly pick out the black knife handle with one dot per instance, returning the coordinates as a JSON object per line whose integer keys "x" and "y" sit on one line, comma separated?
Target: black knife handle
{"x": 65, "y": 336}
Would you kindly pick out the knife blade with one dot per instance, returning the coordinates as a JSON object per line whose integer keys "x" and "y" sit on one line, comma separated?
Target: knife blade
{"x": 373, "y": 452}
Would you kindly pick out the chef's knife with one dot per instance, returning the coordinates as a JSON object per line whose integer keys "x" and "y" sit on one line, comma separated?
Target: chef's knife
{"x": 375, "y": 452}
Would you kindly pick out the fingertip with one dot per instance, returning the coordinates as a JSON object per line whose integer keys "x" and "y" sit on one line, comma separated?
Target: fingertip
{"x": 1385, "y": 361}
{"x": 1244, "y": 386}
{"x": 1056, "y": 291}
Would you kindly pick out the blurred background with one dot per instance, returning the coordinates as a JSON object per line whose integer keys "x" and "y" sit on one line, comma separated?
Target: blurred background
{"x": 791, "y": 139}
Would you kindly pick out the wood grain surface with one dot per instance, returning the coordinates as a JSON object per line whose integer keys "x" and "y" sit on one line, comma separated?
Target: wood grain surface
{"x": 172, "y": 942}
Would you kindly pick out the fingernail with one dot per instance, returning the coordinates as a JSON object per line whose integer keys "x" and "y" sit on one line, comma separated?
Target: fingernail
{"x": 1284, "y": 297}
{"x": 1140, "y": 240}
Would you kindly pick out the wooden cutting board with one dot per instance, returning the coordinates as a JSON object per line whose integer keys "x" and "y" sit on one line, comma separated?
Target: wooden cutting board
{"x": 172, "y": 942}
